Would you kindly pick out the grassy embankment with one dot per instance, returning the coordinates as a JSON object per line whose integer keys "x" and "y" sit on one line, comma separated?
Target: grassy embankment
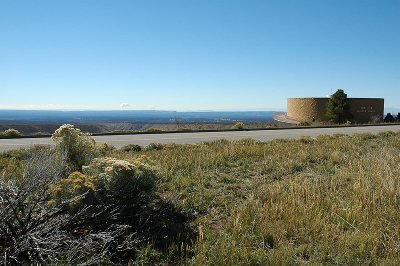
{"x": 333, "y": 200}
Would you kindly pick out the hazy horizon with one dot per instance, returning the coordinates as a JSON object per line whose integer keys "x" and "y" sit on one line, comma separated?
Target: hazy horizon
{"x": 149, "y": 109}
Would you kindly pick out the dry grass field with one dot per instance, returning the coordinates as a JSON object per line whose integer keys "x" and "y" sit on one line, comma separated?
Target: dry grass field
{"x": 334, "y": 200}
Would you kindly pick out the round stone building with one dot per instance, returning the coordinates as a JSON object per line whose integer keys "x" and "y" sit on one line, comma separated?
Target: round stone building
{"x": 364, "y": 110}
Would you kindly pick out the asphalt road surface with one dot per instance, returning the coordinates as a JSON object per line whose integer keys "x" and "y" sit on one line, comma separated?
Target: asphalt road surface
{"x": 189, "y": 138}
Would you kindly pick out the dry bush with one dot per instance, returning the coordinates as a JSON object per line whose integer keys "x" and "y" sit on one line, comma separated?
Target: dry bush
{"x": 34, "y": 230}
{"x": 131, "y": 148}
{"x": 154, "y": 147}
{"x": 77, "y": 147}
{"x": 123, "y": 193}
{"x": 104, "y": 149}
{"x": 105, "y": 215}
{"x": 239, "y": 126}
{"x": 10, "y": 133}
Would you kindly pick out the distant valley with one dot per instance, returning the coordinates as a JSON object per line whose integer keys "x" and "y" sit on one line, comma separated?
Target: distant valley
{"x": 30, "y": 122}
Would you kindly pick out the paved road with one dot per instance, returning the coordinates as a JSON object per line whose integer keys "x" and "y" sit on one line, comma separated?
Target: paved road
{"x": 189, "y": 138}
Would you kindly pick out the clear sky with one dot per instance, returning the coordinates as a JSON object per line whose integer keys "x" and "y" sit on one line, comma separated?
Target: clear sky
{"x": 195, "y": 54}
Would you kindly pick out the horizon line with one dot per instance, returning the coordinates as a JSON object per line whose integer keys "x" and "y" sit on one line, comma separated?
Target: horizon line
{"x": 156, "y": 110}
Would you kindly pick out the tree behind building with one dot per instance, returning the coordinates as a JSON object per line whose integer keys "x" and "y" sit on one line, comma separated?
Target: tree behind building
{"x": 338, "y": 107}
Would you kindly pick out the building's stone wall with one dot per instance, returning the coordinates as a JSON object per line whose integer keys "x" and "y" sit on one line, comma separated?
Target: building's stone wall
{"x": 367, "y": 109}
{"x": 307, "y": 109}
{"x": 314, "y": 109}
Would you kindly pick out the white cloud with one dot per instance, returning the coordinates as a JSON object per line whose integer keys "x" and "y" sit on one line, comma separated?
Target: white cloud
{"x": 124, "y": 105}
{"x": 127, "y": 106}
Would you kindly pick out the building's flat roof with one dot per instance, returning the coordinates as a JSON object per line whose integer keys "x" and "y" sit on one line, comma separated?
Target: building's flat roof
{"x": 309, "y": 98}
{"x": 367, "y": 98}
{"x": 328, "y": 98}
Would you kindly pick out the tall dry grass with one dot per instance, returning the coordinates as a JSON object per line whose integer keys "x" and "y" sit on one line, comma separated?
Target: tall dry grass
{"x": 333, "y": 200}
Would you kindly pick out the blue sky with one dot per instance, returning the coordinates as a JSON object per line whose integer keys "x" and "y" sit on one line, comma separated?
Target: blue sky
{"x": 195, "y": 54}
